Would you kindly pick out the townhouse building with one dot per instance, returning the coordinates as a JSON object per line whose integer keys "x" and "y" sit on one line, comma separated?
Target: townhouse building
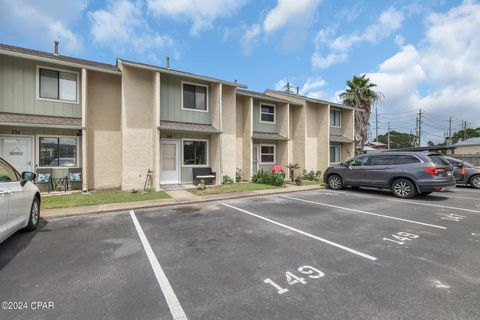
{"x": 131, "y": 123}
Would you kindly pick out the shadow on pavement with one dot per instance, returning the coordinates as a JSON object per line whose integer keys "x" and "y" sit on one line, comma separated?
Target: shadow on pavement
{"x": 435, "y": 196}
{"x": 16, "y": 243}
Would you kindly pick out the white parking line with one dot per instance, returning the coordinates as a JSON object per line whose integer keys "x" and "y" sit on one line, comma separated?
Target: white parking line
{"x": 305, "y": 233}
{"x": 173, "y": 304}
{"x": 400, "y": 200}
{"x": 366, "y": 212}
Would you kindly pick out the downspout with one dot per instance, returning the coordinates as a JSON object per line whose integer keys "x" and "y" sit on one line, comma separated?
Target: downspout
{"x": 220, "y": 127}
{"x": 84, "y": 132}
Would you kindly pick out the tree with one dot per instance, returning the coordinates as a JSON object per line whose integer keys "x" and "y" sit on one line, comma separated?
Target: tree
{"x": 468, "y": 133}
{"x": 360, "y": 94}
{"x": 398, "y": 140}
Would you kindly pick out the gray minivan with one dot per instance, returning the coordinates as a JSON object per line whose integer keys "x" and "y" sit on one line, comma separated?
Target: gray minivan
{"x": 406, "y": 174}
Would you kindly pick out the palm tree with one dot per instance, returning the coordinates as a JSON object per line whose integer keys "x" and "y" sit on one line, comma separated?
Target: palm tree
{"x": 360, "y": 94}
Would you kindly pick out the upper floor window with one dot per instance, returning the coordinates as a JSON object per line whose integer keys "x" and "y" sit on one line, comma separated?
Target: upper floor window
{"x": 335, "y": 118}
{"x": 194, "y": 97}
{"x": 267, "y": 113}
{"x": 57, "y": 85}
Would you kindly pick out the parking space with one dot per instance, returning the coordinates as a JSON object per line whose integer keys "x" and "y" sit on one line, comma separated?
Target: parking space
{"x": 309, "y": 255}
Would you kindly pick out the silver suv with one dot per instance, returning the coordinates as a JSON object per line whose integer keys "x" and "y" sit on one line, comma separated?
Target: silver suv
{"x": 406, "y": 174}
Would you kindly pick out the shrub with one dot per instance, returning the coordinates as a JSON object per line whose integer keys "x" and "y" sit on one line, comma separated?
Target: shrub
{"x": 268, "y": 178}
{"x": 227, "y": 180}
{"x": 312, "y": 175}
{"x": 298, "y": 181}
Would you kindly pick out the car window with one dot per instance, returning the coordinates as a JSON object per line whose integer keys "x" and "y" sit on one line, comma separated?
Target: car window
{"x": 7, "y": 173}
{"x": 381, "y": 160}
{"x": 358, "y": 161}
{"x": 406, "y": 159}
{"x": 439, "y": 160}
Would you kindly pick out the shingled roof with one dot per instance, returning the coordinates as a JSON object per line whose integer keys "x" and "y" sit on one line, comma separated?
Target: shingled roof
{"x": 29, "y": 120}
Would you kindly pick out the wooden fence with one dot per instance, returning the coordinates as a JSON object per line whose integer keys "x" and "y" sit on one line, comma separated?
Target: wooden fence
{"x": 472, "y": 158}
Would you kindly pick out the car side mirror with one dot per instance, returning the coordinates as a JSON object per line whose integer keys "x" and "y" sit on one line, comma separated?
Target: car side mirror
{"x": 27, "y": 176}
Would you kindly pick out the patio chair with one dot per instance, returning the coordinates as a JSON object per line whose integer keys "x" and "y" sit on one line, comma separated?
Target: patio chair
{"x": 59, "y": 178}
{"x": 74, "y": 178}
{"x": 44, "y": 178}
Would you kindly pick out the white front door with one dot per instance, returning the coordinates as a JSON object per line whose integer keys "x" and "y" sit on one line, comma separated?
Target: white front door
{"x": 169, "y": 161}
{"x": 17, "y": 151}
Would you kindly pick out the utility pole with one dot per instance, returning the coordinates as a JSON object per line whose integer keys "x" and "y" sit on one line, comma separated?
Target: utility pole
{"x": 465, "y": 130}
{"x": 450, "y": 128}
{"x": 376, "y": 123}
{"x": 420, "y": 127}
{"x": 416, "y": 132}
{"x": 388, "y": 135}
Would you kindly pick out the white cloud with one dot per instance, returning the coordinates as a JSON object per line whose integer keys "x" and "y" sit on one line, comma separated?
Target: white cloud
{"x": 288, "y": 13}
{"x": 43, "y": 22}
{"x": 388, "y": 22}
{"x": 293, "y": 17}
{"x": 314, "y": 87}
{"x": 446, "y": 66}
{"x": 202, "y": 14}
{"x": 121, "y": 27}
{"x": 249, "y": 38}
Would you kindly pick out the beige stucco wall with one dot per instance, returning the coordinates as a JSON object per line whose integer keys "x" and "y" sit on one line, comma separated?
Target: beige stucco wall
{"x": 137, "y": 122}
{"x": 247, "y": 122}
{"x": 467, "y": 149}
{"x": 103, "y": 128}
{"x": 239, "y": 132}
{"x": 311, "y": 140}
{"x": 229, "y": 124}
{"x": 298, "y": 135}
{"x": 323, "y": 137}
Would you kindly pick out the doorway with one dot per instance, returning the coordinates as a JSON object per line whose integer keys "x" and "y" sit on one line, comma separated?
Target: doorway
{"x": 17, "y": 151}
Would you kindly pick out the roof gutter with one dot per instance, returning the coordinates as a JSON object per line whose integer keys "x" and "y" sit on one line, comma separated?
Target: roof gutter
{"x": 178, "y": 73}
{"x": 56, "y": 61}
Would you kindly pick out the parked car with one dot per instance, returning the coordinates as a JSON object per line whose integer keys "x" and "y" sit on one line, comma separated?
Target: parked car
{"x": 406, "y": 174}
{"x": 19, "y": 201}
{"x": 465, "y": 173}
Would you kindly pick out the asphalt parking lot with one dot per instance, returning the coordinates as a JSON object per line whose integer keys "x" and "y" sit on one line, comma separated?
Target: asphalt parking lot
{"x": 317, "y": 254}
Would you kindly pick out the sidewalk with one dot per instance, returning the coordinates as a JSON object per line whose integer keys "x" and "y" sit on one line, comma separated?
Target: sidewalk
{"x": 178, "y": 197}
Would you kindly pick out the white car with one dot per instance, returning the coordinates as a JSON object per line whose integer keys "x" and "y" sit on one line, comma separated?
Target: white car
{"x": 19, "y": 201}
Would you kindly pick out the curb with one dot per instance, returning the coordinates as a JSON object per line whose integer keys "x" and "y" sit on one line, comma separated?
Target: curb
{"x": 149, "y": 204}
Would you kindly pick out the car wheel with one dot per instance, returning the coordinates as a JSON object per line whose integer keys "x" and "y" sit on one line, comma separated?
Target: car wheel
{"x": 34, "y": 215}
{"x": 403, "y": 188}
{"x": 335, "y": 182}
{"x": 475, "y": 182}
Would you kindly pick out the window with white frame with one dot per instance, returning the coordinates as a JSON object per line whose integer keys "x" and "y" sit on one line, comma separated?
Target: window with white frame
{"x": 267, "y": 154}
{"x": 267, "y": 113}
{"x": 194, "y": 97}
{"x": 57, "y": 151}
{"x": 195, "y": 152}
{"x": 335, "y": 153}
{"x": 57, "y": 85}
{"x": 335, "y": 118}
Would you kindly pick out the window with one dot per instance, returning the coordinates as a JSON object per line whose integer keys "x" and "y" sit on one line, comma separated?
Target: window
{"x": 195, "y": 152}
{"x": 57, "y": 152}
{"x": 267, "y": 113}
{"x": 7, "y": 173}
{"x": 381, "y": 161}
{"x": 57, "y": 85}
{"x": 335, "y": 118}
{"x": 335, "y": 153}
{"x": 267, "y": 154}
{"x": 358, "y": 161}
{"x": 194, "y": 97}
{"x": 405, "y": 159}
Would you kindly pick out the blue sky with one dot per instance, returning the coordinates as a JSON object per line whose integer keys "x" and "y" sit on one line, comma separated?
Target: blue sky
{"x": 422, "y": 54}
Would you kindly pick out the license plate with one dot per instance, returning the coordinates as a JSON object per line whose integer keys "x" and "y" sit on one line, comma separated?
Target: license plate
{"x": 449, "y": 173}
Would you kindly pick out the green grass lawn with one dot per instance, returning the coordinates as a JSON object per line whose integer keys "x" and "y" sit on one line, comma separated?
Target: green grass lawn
{"x": 98, "y": 197}
{"x": 234, "y": 187}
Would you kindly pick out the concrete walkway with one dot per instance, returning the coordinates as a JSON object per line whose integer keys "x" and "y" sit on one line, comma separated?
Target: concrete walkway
{"x": 178, "y": 197}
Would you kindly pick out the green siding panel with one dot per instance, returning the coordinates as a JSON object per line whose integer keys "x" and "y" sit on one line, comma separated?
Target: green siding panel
{"x": 18, "y": 89}
{"x": 171, "y": 99}
{"x": 336, "y": 131}
{"x": 262, "y": 127}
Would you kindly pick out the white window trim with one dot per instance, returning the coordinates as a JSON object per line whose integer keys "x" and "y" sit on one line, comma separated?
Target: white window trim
{"x": 37, "y": 81}
{"x": 340, "y": 112}
{"x": 199, "y": 85}
{"x": 274, "y": 112}
{"x": 37, "y": 149}
{"x": 196, "y": 165}
{"x": 339, "y": 153}
{"x": 274, "y": 153}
